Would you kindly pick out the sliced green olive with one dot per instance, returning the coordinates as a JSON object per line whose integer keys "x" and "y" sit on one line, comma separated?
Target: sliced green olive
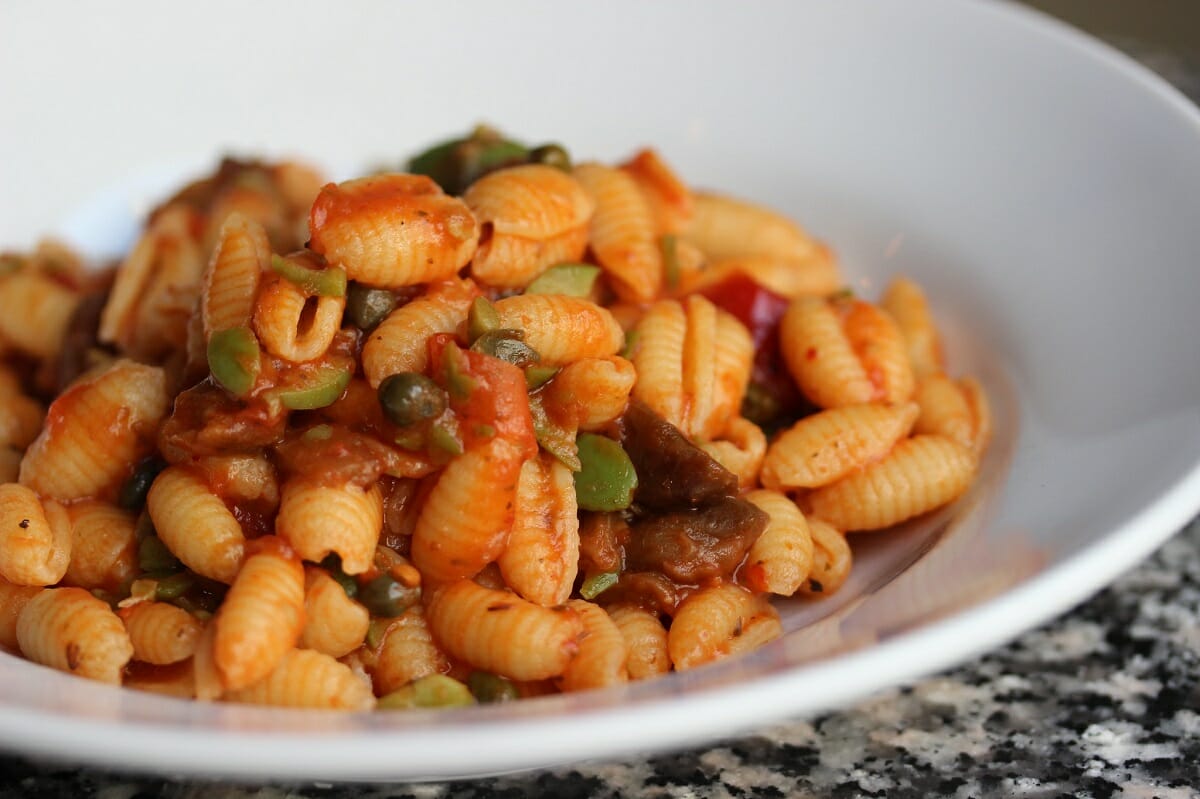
{"x": 481, "y": 318}
{"x": 456, "y": 164}
{"x": 458, "y": 378}
{"x": 573, "y": 280}
{"x": 367, "y": 307}
{"x": 606, "y": 480}
{"x": 134, "y": 490}
{"x": 597, "y": 584}
{"x": 432, "y": 691}
{"x": 155, "y": 558}
{"x": 233, "y": 359}
{"x": 327, "y": 282}
{"x": 319, "y": 388}
{"x": 175, "y": 586}
{"x": 386, "y": 596}
{"x": 443, "y": 440}
{"x": 553, "y": 437}
{"x": 489, "y": 688}
{"x": 507, "y": 345}
{"x": 409, "y": 397}
{"x": 538, "y": 376}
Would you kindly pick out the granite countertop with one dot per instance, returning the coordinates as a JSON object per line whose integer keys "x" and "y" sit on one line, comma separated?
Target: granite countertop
{"x": 1102, "y": 702}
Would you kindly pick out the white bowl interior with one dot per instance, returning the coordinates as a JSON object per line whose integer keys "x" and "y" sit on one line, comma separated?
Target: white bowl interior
{"x": 1042, "y": 188}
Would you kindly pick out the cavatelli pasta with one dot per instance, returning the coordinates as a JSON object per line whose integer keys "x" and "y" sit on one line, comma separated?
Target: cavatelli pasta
{"x": 96, "y": 432}
{"x": 780, "y": 559}
{"x": 333, "y": 622}
{"x": 104, "y": 546}
{"x": 406, "y": 653}
{"x": 309, "y": 679}
{"x": 645, "y": 641}
{"x": 35, "y": 537}
{"x": 719, "y": 621}
{"x": 828, "y": 445}
{"x": 161, "y": 633}
{"x": 500, "y": 632}
{"x": 562, "y": 329}
{"x": 70, "y": 630}
{"x": 541, "y": 557}
{"x": 393, "y": 230}
{"x": 400, "y": 343}
{"x": 919, "y": 474}
{"x": 318, "y": 520}
{"x": 531, "y": 216}
{"x": 261, "y": 618}
{"x": 234, "y": 271}
{"x": 318, "y": 442}
{"x": 603, "y": 653}
{"x": 622, "y": 232}
{"x": 195, "y": 524}
{"x": 465, "y": 521}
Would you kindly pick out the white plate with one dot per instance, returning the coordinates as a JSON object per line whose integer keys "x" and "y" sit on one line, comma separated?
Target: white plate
{"x": 1042, "y": 187}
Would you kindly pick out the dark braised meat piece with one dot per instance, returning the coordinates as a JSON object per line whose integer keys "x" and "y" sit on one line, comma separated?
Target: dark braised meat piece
{"x": 673, "y": 473}
{"x": 695, "y": 546}
{"x": 207, "y": 421}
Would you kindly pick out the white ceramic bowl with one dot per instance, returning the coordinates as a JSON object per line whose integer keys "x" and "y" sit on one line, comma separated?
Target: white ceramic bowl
{"x": 1042, "y": 187}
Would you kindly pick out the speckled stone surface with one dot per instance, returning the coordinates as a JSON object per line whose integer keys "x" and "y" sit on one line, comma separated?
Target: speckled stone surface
{"x": 1103, "y": 702}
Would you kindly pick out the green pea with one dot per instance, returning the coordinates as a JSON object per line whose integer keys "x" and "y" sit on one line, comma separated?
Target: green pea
{"x": 482, "y": 318}
{"x": 233, "y": 359}
{"x": 367, "y": 307}
{"x": 432, "y": 691}
{"x": 154, "y": 557}
{"x": 606, "y": 479}
{"x": 327, "y": 282}
{"x": 573, "y": 280}
{"x": 597, "y": 584}
{"x": 174, "y": 587}
{"x": 551, "y": 155}
{"x": 553, "y": 437}
{"x": 133, "y": 492}
{"x": 408, "y": 398}
{"x": 489, "y": 688}
{"x": 387, "y": 596}
{"x": 507, "y": 345}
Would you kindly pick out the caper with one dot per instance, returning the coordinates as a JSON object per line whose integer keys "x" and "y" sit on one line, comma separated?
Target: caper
{"x": 387, "y": 596}
{"x": 367, "y": 306}
{"x": 488, "y": 687}
{"x": 506, "y": 344}
{"x": 408, "y": 398}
